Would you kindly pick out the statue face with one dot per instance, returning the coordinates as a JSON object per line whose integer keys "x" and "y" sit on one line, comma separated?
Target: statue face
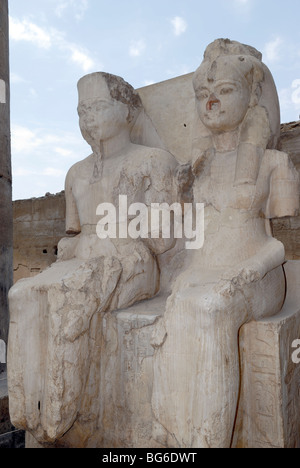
{"x": 101, "y": 118}
{"x": 222, "y": 95}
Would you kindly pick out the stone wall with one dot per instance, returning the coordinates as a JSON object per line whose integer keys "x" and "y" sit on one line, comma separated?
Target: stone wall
{"x": 6, "y": 248}
{"x": 287, "y": 230}
{"x": 39, "y": 223}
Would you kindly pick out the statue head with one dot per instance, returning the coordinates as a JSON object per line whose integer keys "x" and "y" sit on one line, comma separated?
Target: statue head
{"x": 107, "y": 105}
{"x": 225, "y": 88}
{"x": 235, "y": 92}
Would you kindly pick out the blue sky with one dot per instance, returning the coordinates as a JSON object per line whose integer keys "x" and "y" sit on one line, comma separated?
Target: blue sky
{"x": 55, "y": 42}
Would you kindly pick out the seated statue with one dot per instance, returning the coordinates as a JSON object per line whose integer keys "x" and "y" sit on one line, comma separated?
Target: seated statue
{"x": 56, "y": 317}
{"x": 238, "y": 275}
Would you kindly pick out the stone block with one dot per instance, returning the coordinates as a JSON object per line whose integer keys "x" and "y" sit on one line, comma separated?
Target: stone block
{"x": 269, "y": 409}
{"x": 126, "y": 416}
{"x": 174, "y": 128}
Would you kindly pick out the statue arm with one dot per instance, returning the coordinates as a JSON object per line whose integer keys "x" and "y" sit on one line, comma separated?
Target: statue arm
{"x": 269, "y": 257}
{"x": 67, "y": 245}
{"x": 72, "y": 216}
{"x": 162, "y": 190}
{"x": 283, "y": 200}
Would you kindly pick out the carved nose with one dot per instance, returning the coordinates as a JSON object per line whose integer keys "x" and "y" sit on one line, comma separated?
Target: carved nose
{"x": 212, "y": 103}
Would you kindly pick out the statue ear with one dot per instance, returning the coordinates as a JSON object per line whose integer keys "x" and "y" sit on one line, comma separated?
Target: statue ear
{"x": 256, "y": 95}
{"x": 258, "y": 78}
{"x": 255, "y": 133}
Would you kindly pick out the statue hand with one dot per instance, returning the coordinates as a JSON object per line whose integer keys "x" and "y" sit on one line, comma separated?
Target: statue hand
{"x": 184, "y": 179}
{"x": 66, "y": 248}
{"x": 243, "y": 275}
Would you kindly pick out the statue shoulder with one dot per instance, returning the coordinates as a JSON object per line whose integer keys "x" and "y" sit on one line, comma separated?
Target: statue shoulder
{"x": 281, "y": 163}
{"x": 162, "y": 159}
{"x": 284, "y": 185}
{"x": 276, "y": 157}
{"x": 78, "y": 169}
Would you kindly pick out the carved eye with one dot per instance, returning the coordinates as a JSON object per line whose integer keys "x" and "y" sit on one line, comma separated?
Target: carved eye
{"x": 226, "y": 90}
{"x": 203, "y": 95}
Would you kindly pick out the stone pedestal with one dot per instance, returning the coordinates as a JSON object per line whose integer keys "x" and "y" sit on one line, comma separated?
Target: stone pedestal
{"x": 125, "y": 379}
{"x": 103, "y": 384}
{"x": 269, "y": 410}
{"x": 127, "y": 376}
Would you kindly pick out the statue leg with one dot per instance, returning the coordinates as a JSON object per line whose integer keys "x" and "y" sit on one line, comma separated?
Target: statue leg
{"x": 49, "y": 342}
{"x": 196, "y": 367}
{"x": 56, "y": 332}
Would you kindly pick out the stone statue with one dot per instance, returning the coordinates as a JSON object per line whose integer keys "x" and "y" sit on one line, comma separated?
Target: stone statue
{"x": 56, "y": 317}
{"x": 238, "y": 275}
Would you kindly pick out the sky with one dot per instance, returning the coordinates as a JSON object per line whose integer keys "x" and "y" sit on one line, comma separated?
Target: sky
{"x": 53, "y": 43}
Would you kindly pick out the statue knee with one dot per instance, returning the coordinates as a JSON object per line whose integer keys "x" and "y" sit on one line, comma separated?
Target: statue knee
{"x": 216, "y": 310}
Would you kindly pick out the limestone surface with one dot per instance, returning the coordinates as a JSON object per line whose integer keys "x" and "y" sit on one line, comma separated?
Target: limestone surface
{"x": 56, "y": 317}
{"x": 238, "y": 275}
{"x": 139, "y": 342}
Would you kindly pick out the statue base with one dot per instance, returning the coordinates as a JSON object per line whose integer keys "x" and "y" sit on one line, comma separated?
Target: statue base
{"x": 269, "y": 407}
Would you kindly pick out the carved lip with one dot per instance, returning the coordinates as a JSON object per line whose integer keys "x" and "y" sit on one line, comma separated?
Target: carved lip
{"x": 214, "y": 113}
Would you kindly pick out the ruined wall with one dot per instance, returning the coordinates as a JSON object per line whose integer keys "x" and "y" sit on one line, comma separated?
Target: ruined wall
{"x": 287, "y": 230}
{"x": 39, "y": 224}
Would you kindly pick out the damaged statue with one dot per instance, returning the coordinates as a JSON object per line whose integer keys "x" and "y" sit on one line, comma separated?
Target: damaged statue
{"x": 238, "y": 275}
{"x": 56, "y": 317}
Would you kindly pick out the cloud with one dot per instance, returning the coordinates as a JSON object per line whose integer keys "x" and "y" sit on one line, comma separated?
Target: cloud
{"x": 51, "y": 38}
{"x": 53, "y": 172}
{"x": 296, "y": 94}
{"x": 79, "y": 8}
{"x": 179, "y": 25}
{"x": 148, "y": 82}
{"x": 81, "y": 58}
{"x": 16, "y": 79}
{"x": 65, "y": 153}
{"x": 24, "y": 140}
{"x": 272, "y": 50}
{"x": 30, "y": 32}
{"x": 33, "y": 93}
{"x": 289, "y": 99}
{"x": 137, "y": 48}
{"x": 42, "y": 158}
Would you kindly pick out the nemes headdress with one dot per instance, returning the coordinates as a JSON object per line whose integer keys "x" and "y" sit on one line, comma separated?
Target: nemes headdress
{"x": 261, "y": 126}
{"x": 119, "y": 89}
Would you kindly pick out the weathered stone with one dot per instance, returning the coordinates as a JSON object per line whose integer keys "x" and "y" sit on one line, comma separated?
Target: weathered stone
{"x": 29, "y": 246}
{"x": 269, "y": 414}
{"x": 39, "y": 225}
{"x": 6, "y": 218}
{"x": 60, "y": 311}
{"x": 237, "y": 276}
{"x": 5, "y": 176}
{"x": 166, "y": 372}
{"x": 288, "y": 230}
